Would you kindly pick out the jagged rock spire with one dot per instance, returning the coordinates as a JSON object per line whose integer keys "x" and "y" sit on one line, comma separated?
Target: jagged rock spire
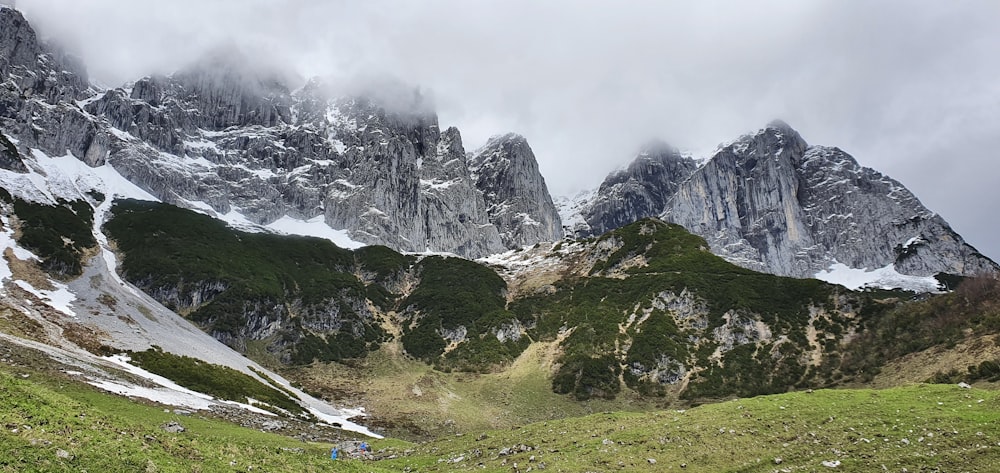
{"x": 640, "y": 190}
{"x": 517, "y": 200}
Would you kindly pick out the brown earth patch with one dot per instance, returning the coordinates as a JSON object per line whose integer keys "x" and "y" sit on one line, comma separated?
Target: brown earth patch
{"x": 27, "y": 271}
{"x": 14, "y": 322}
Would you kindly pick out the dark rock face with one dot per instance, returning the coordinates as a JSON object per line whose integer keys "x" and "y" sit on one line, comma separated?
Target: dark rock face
{"x": 38, "y": 93}
{"x": 770, "y": 202}
{"x": 10, "y": 158}
{"x": 517, "y": 199}
{"x": 639, "y": 191}
{"x": 33, "y": 69}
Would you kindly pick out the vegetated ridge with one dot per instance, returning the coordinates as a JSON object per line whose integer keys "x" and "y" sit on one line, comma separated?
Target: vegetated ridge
{"x": 646, "y": 307}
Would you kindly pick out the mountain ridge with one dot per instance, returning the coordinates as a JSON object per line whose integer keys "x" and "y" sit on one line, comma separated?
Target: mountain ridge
{"x": 771, "y": 202}
{"x": 227, "y": 137}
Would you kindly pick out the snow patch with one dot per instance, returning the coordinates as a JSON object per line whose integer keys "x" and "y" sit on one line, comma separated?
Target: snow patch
{"x": 316, "y": 227}
{"x": 169, "y": 392}
{"x": 64, "y": 177}
{"x": 122, "y": 135}
{"x": 263, "y": 174}
{"x": 570, "y": 208}
{"x": 58, "y": 298}
{"x": 339, "y": 146}
{"x": 434, "y": 184}
{"x": 68, "y": 178}
{"x": 915, "y": 241}
{"x": 201, "y": 145}
{"x": 885, "y": 278}
{"x": 7, "y": 241}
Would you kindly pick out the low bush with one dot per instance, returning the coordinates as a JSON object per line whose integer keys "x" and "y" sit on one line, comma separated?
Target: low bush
{"x": 218, "y": 381}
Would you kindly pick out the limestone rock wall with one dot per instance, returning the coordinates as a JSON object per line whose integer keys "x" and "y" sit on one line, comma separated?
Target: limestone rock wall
{"x": 517, "y": 200}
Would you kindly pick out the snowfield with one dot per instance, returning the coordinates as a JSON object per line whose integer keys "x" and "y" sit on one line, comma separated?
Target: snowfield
{"x": 884, "y": 278}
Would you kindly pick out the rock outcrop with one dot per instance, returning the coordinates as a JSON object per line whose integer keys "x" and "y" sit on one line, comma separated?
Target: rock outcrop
{"x": 517, "y": 201}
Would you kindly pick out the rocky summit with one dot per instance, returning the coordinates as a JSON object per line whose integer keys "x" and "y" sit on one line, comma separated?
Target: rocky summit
{"x": 771, "y": 202}
{"x": 517, "y": 199}
{"x": 641, "y": 190}
{"x": 229, "y": 137}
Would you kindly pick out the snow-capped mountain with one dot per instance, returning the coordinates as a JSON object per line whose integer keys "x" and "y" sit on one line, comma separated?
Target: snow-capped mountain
{"x": 769, "y": 201}
{"x": 230, "y": 138}
{"x": 371, "y": 165}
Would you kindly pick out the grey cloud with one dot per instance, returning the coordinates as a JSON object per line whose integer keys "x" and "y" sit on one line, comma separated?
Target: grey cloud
{"x": 908, "y": 88}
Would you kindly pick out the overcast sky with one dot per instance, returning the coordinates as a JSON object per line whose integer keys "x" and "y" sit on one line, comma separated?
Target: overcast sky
{"x": 910, "y": 88}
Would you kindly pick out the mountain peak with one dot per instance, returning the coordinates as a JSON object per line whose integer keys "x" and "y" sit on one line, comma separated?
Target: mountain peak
{"x": 785, "y": 133}
{"x": 510, "y": 137}
{"x": 503, "y": 146}
{"x": 777, "y": 137}
{"x": 779, "y": 124}
{"x": 657, "y": 146}
{"x": 769, "y": 201}
{"x": 18, "y": 42}
{"x": 517, "y": 199}
{"x": 641, "y": 189}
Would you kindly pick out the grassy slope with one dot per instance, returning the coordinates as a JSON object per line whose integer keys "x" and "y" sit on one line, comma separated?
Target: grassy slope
{"x": 42, "y": 416}
{"x": 409, "y": 399}
{"x": 918, "y": 427}
{"x": 913, "y": 341}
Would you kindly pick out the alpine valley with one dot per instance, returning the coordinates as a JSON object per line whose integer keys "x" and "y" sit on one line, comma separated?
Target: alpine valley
{"x": 264, "y": 273}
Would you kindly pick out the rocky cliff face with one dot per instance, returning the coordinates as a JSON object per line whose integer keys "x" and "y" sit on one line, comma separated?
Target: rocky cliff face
{"x": 237, "y": 140}
{"x": 744, "y": 201}
{"x": 517, "y": 200}
{"x": 641, "y": 190}
{"x": 229, "y": 137}
{"x": 39, "y": 93}
{"x": 771, "y": 202}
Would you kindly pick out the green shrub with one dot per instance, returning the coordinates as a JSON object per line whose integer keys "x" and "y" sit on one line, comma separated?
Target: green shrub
{"x": 586, "y": 377}
{"x": 181, "y": 257}
{"x": 423, "y": 340}
{"x": 219, "y": 381}
{"x": 457, "y": 291}
{"x": 58, "y": 234}
{"x": 383, "y": 261}
{"x": 453, "y": 293}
